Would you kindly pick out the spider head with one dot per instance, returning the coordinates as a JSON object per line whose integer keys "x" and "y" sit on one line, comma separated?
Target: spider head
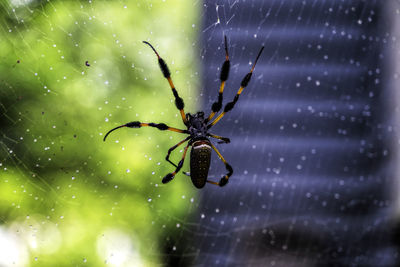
{"x": 198, "y": 115}
{"x": 197, "y": 124}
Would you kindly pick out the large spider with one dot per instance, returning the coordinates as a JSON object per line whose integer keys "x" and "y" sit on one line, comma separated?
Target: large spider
{"x": 197, "y": 127}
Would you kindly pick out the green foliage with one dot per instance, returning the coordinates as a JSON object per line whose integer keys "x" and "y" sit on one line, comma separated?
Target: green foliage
{"x": 66, "y": 197}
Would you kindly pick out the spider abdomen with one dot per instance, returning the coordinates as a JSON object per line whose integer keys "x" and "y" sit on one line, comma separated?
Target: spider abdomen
{"x": 200, "y": 158}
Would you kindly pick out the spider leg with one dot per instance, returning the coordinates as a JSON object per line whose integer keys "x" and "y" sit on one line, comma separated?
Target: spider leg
{"x": 138, "y": 124}
{"x": 167, "y": 74}
{"x": 224, "y": 179}
{"x": 173, "y": 148}
{"x": 224, "y": 140}
{"x": 243, "y": 85}
{"x": 217, "y": 105}
{"x": 167, "y": 178}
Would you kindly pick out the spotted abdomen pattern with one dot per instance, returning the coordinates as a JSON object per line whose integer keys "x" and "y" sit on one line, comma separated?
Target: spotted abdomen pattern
{"x": 200, "y": 158}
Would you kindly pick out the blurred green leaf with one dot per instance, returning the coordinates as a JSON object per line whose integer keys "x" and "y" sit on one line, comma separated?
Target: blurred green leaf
{"x": 67, "y": 197}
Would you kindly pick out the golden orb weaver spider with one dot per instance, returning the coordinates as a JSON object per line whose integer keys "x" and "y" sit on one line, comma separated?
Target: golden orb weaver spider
{"x": 197, "y": 126}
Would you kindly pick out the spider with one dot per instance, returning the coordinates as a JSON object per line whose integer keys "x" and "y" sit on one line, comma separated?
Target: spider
{"x": 197, "y": 127}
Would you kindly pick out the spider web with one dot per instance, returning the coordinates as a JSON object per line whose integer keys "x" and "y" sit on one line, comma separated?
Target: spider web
{"x": 313, "y": 136}
{"x": 70, "y": 71}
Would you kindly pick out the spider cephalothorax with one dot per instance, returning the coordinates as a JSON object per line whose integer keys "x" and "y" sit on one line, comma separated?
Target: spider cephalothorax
{"x": 197, "y": 127}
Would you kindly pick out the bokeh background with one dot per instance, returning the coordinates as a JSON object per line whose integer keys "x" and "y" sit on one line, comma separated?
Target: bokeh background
{"x": 314, "y": 137}
{"x": 66, "y": 197}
